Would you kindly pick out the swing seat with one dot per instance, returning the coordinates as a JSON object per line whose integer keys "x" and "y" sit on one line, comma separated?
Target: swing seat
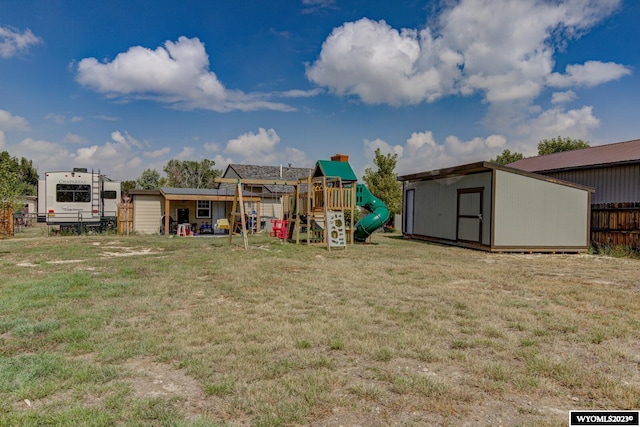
{"x": 221, "y": 224}
{"x": 279, "y": 228}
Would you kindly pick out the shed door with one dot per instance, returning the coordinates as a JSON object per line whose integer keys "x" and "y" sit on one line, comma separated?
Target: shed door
{"x": 408, "y": 212}
{"x": 469, "y": 215}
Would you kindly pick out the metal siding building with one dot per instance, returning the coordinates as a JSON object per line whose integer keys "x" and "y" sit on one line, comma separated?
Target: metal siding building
{"x": 613, "y": 184}
{"x": 496, "y": 208}
{"x": 613, "y": 170}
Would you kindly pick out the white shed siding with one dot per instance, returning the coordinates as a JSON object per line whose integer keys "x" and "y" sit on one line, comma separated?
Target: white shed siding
{"x": 535, "y": 213}
{"x": 436, "y": 203}
{"x": 147, "y": 212}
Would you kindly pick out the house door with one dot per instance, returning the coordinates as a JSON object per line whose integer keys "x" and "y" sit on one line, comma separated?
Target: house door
{"x": 408, "y": 211}
{"x": 469, "y": 215}
{"x": 183, "y": 216}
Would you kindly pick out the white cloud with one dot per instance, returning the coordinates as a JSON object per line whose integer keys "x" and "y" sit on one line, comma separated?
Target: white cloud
{"x": 295, "y": 93}
{"x": 117, "y": 158}
{"x": 577, "y": 123}
{"x": 255, "y": 148}
{"x": 56, "y": 118}
{"x": 157, "y": 153}
{"x": 592, "y": 73}
{"x": 314, "y": 6}
{"x": 380, "y": 64}
{"x": 186, "y": 153}
{"x": 421, "y": 152}
{"x": 125, "y": 140}
{"x": 13, "y": 42}
{"x": 46, "y": 155}
{"x": 562, "y": 97}
{"x": 211, "y": 146}
{"x": 10, "y": 122}
{"x": 74, "y": 139}
{"x": 222, "y": 162}
{"x": 501, "y": 48}
{"x": 176, "y": 73}
{"x": 261, "y": 148}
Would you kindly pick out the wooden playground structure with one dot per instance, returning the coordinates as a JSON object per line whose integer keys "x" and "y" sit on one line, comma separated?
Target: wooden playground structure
{"x": 319, "y": 211}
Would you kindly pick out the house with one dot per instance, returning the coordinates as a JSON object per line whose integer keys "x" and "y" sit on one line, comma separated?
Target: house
{"x": 271, "y": 205}
{"x": 496, "y": 208}
{"x": 613, "y": 170}
{"x": 193, "y": 206}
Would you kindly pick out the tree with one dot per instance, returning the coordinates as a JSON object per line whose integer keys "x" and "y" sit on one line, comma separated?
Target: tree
{"x": 17, "y": 178}
{"x": 383, "y": 183}
{"x": 507, "y": 157}
{"x": 191, "y": 174}
{"x": 128, "y": 185}
{"x": 559, "y": 144}
{"x": 149, "y": 180}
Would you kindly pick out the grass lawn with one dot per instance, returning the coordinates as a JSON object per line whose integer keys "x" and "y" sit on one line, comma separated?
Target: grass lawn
{"x": 152, "y": 330}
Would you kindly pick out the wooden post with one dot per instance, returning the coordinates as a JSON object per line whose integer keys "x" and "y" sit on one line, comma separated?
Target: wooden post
{"x": 309, "y": 208}
{"x": 232, "y": 215}
{"x": 242, "y": 212}
{"x": 167, "y": 214}
{"x": 326, "y": 212}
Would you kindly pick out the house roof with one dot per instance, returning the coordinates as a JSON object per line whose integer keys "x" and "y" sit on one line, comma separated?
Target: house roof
{"x": 286, "y": 173}
{"x": 333, "y": 169}
{"x": 220, "y": 194}
{"x": 600, "y": 156}
{"x": 478, "y": 167}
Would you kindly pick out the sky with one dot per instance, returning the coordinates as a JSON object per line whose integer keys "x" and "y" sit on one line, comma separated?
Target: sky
{"x": 123, "y": 86}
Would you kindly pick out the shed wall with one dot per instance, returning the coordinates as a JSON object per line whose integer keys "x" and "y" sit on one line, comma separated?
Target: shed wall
{"x": 613, "y": 184}
{"x": 534, "y": 213}
{"x": 147, "y": 212}
{"x": 435, "y": 205}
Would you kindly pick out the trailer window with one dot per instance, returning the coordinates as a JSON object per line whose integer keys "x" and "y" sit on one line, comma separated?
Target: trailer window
{"x": 109, "y": 194}
{"x": 73, "y": 193}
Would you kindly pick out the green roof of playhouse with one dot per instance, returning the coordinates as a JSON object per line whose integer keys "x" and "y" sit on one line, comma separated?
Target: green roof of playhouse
{"x": 335, "y": 169}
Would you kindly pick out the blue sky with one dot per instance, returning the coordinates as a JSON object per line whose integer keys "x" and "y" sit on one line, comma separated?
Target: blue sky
{"x": 121, "y": 86}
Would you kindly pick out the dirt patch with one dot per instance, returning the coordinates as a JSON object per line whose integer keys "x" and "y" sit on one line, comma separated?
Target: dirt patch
{"x": 158, "y": 380}
{"x": 128, "y": 252}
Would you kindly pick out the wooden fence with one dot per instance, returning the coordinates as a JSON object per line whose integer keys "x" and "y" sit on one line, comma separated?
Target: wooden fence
{"x": 615, "y": 224}
{"x": 125, "y": 218}
{"x": 6, "y": 222}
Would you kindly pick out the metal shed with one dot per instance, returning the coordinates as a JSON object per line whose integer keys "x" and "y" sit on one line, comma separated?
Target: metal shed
{"x": 496, "y": 208}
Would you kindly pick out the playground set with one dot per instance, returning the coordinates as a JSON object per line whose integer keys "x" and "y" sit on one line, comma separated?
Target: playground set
{"x": 321, "y": 209}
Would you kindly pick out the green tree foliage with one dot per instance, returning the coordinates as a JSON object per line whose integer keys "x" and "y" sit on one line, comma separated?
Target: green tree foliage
{"x": 18, "y": 177}
{"x": 507, "y": 157}
{"x": 191, "y": 174}
{"x": 383, "y": 182}
{"x": 128, "y": 185}
{"x": 559, "y": 144}
{"x": 149, "y": 180}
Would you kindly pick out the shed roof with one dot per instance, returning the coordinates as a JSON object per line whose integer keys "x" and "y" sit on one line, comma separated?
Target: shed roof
{"x": 478, "y": 167}
{"x": 333, "y": 169}
{"x": 598, "y": 156}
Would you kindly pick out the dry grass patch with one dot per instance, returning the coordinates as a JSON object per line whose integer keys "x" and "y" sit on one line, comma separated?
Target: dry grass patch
{"x": 193, "y": 332}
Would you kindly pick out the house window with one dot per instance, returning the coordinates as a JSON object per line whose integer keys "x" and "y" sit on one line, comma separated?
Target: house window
{"x": 203, "y": 209}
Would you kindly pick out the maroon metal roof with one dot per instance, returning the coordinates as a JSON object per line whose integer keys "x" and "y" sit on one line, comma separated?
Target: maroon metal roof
{"x": 601, "y": 155}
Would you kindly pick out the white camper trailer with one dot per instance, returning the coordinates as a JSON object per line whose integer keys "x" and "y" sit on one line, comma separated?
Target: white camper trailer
{"x": 78, "y": 197}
